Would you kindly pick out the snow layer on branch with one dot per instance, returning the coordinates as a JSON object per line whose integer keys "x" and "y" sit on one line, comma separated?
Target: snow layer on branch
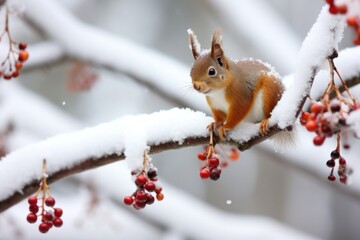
{"x": 66, "y": 150}
{"x": 150, "y": 66}
{"x": 321, "y": 41}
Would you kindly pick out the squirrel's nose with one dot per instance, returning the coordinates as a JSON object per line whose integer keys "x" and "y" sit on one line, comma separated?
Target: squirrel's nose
{"x": 196, "y": 87}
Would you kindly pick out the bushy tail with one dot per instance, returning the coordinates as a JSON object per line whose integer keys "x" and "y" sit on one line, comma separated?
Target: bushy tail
{"x": 285, "y": 139}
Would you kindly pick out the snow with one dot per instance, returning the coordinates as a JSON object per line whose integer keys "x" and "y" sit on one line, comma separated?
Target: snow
{"x": 147, "y": 65}
{"x": 320, "y": 42}
{"x": 236, "y": 16}
{"x": 107, "y": 138}
{"x": 43, "y": 53}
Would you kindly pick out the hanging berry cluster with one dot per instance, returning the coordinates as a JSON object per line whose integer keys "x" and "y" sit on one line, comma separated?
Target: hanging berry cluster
{"x": 352, "y": 19}
{"x": 50, "y": 216}
{"x": 16, "y": 55}
{"x": 211, "y": 168}
{"x": 327, "y": 118}
{"x": 146, "y": 180}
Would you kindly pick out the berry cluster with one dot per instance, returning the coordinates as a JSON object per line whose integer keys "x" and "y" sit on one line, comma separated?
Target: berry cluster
{"x": 343, "y": 170}
{"x": 146, "y": 180}
{"x": 336, "y": 9}
{"x": 353, "y": 22}
{"x": 50, "y": 216}
{"x": 211, "y": 157}
{"x": 16, "y": 56}
{"x": 328, "y": 117}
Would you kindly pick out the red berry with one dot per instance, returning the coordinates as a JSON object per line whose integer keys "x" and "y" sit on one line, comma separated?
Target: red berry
{"x": 214, "y": 162}
{"x": 202, "y": 156}
{"x": 330, "y": 163}
{"x": 333, "y": 9}
{"x": 159, "y": 196}
{"x": 141, "y": 196}
{"x": 342, "y": 161}
{"x": 44, "y": 227}
{"x": 23, "y": 56}
{"x": 7, "y": 76}
{"x": 15, "y": 74}
{"x": 304, "y": 117}
{"x": 58, "y": 212}
{"x": 330, "y": 2}
{"x": 32, "y": 200}
{"x": 215, "y": 174}
{"x": 139, "y": 205}
{"x": 18, "y": 65}
{"x": 128, "y": 200}
{"x": 31, "y": 218}
{"x": 33, "y": 208}
{"x": 57, "y": 222}
{"x": 205, "y": 174}
{"x": 355, "y": 41}
{"x": 158, "y": 189}
{"x": 22, "y": 45}
{"x": 352, "y": 21}
{"x": 342, "y": 9}
{"x": 311, "y": 126}
{"x": 331, "y": 178}
{"x": 50, "y": 201}
{"x": 316, "y": 107}
{"x": 234, "y": 154}
{"x": 48, "y": 216}
{"x": 150, "y": 199}
{"x": 150, "y": 186}
{"x": 318, "y": 140}
{"x": 343, "y": 179}
{"x": 140, "y": 180}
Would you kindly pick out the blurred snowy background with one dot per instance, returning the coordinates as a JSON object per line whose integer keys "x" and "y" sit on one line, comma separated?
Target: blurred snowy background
{"x": 266, "y": 194}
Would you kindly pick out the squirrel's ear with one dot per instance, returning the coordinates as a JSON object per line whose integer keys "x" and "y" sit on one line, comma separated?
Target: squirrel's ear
{"x": 216, "y": 50}
{"x": 194, "y": 44}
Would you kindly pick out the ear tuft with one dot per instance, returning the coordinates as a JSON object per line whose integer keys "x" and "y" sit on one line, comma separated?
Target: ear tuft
{"x": 194, "y": 44}
{"x": 216, "y": 49}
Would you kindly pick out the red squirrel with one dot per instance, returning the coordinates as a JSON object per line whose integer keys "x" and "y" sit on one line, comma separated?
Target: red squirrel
{"x": 236, "y": 91}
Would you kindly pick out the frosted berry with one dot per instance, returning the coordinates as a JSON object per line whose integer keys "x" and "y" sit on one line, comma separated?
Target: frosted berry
{"x": 32, "y": 200}
{"x": 342, "y": 161}
{"x": 48, "y": 216}
{"x": 205, "y": 174}
{"x": 215, "y": 174}
{"x": 58, "y": 212}
{"x": 335, "y": 154}
{"x": 202, "y": 156}
{"x": 343, "y": 179}
{"x": 50, "y": 201}
{"x": 333, "y": 9}
{"x": 158, "y": 189}
{"x": 33, "y": 208}
{"x": 44, "y": 227}
{"x": 31, "y": 218}
{"x": 150, "y": 186}
{"x": 139, "y": 205}
{"x": 140, "y": 180}
{"x": 57, "y": 222}
{"x": 335, "y": 106}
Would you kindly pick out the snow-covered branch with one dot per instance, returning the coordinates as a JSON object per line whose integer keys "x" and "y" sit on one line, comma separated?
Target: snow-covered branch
{"x": 163, "y": 130}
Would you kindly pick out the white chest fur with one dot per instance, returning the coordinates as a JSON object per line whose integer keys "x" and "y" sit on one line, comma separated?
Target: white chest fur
{"x": 218, "y": 100}
{"x": 256, "y": 113}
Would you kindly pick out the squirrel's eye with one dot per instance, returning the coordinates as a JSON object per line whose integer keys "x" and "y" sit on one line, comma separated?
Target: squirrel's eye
{"x": 212, "y": 71}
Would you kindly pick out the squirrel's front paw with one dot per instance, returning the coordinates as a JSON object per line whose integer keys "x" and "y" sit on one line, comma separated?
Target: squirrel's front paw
{"x": 222, "y": 133}
{"x": 264, "y": 127}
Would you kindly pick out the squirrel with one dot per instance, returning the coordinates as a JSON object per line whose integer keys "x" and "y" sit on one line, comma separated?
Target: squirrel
{"x": 236, "y": 91}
